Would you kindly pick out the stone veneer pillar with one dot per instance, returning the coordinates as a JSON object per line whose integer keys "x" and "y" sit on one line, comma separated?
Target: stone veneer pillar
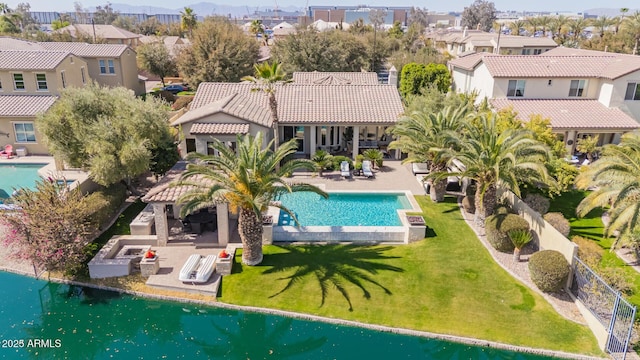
{"x": 162, "y": 225}
{"x": 222, "y": 211}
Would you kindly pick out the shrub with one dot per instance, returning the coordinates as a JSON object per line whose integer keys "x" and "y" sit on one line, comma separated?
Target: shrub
{"x": 588, "y": 251}
{"x": 181, "y": 101}
{"x": 558, "y": 222}
{"x": 375, "y": 156}
{"x": 549, "y": 270}
{"x": 337, "y": 160}
{"x": 498, "y": 226}
{"x": 537, "y": 203}
{"x": 502, "y": 210}
{"x": 616, "y": 278}
{"x": 165, "y": 95}
{"x": 468, "y": 204}
{"x": 104, "y": 203}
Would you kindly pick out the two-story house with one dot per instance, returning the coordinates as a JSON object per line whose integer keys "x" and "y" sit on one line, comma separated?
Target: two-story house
{"x": 30, "y": 82}
{"x": 107, "y": 33}
{"x": 583, "y": 93}
{"x": 461, "y": 42}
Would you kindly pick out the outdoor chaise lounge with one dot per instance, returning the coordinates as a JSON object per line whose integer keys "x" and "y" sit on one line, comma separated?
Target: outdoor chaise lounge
{"x": 420, "y": 168}
{"x": 344, "y": 169}
{"x": 366, "y": 168}
{"x": 198, "y": 269}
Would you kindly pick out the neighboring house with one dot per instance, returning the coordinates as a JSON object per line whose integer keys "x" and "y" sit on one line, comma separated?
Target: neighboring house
{"x": 582, "y": 92}
{"x": 461, "y": 42}
{"x": 107, "y": 33}
{"x": 174, "y": 44}
{"x": 331, "y": 111}
{"x": 30, "y": 81}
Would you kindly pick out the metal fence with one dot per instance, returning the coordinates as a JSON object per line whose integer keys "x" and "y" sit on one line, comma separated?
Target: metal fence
{"x": 607, "y": 305}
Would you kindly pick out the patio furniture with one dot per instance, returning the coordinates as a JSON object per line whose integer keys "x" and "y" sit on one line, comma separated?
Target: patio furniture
{"x": 420, "y": 168}
{"x": 199, "y": 221}
{"x": 366, "y": 168}
{"x": 198, "y": 269}
{"x": 344, "y": 169}
{"x": 7, "y": 153}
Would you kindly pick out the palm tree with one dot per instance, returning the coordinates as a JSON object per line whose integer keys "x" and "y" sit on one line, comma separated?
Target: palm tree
{"x": 267, "y": 75}
{"x": 602, "y": 24}
{"x": 420, "y": 134}
{"x": 248, "y": 180}
{"x": 632, "y": 25}
{"x": 533, "y": 24}
{"x": 256, "y": 27}
{"x": 558, "y": 26}
{"x": 188, "y": 20}
{"x": 322, "y": 159}
{"x": 515, "y": 27}
{"x": 496, "y": 158}
{"x": 616, "y": 177}
{"x": 577, "y": 26}
{"x": 544, "y": 22}
{"x": 588, "y": 146}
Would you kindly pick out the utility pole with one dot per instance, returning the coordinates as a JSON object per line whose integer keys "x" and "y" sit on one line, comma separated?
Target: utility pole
{"x": 93, "y": 25}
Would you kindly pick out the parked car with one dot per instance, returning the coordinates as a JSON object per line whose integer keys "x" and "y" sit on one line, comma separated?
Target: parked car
{"x": 175, "y": 88}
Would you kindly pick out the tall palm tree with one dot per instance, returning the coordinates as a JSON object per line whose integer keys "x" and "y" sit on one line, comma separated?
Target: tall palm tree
{"x": 247, "y": 180}
{"x": 616, "y": 177}
{"x": 267, "y": 75}
{"x": 256, "y": 27}
{"x": 632, "y": 25}
{"x": 544, "y": 22}
{"x": 515, "y": 27}
{"x": 558, "y": 26}
{"x": 188, "y": 20}
{"x": 577, "y": 26}
{"x": 496, "y": 158}
{"x": 533, "y": 23}
{"x": 421, "y": 134}
{"x": 602, "y": 23}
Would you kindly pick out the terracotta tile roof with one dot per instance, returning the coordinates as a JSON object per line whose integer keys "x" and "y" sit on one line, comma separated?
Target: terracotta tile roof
{"x": 467, "y": 61}
{"x": 342, "y": 78}
{"x": 219, "y": 129}
{"x": 305, "y": 103}
{"x": 9, "y": 43}
{"x": 571, "y": 114}
{"x": 24, "y": 105}
{"x": 30, "y": 59}
{"x": 164, "y": 192}
{"x": 87, "y": 50}
{"x": 234, "y": 104}
{"x": 102, "y": 31}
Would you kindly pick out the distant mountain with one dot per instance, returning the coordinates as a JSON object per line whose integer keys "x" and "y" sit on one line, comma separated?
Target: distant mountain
{"x": 606, "y": 12}
{"x": 201, "y": 9}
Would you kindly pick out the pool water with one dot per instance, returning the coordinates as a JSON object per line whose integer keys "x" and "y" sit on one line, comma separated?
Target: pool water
{"x": 71, "y": 322}
{"x": 15, "y": 176}
{"x": 344, "y": 209}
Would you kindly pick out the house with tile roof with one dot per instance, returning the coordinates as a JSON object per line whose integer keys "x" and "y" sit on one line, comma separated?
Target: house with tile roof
{"x": 319, "y": 110}
{"x": 583, "y": 92}
{"x": 30, "y": 81}
{"x": 460, "y": 42}
{"x": 107, "y": 33}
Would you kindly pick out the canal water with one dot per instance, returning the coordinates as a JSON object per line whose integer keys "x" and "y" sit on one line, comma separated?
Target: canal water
{"x": 47, "y": 320}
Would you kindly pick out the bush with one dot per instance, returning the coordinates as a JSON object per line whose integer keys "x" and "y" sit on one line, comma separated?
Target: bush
{"x": 502, "y": 210}
{"x": 549, "y": 270}
{"x": 558, "y": 222}
{"x": 537, "y": 203}
{"x": 165, "y": 95}
{"x": 104, "y": 203}
{"x": 181, "y": 101}
{"x": 588, "y": 251}
{"x": 337, "y": 160}
{"x": 498, "y": 226}
{"x": 468, "y": 204}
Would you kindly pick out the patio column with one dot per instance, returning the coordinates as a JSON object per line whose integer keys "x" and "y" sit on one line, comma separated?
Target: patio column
{"x": 356, "y": 143}
{"x": 312, "y": 140}
{"x": 570, "y": 143}
{"x": 162, "y": 225}
{"x": 222, "y": 214}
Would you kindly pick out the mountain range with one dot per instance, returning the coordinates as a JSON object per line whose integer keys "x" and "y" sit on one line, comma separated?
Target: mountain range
{"x": 202, "y": 9}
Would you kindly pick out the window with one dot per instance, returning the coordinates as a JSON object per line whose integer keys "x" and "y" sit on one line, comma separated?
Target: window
{"x": 537, "y": 51}
{"x": 84, "y": 79}
{"x": 41, "y": 82}
{"x": 633, "y": 92}
{"x": 107, "y": 67}
{"x": 191, "y": 145}
{"x": 18, "y": 82}
{"x": 63, "y": 76}
{"x": 549, "y": 82}
{"x": 526, "y": 51}
{"x": 576, "y": 88}
{"x": 25, "y": 132}
{"x": 516, "y": 88}
{"x": 0, "y": 85}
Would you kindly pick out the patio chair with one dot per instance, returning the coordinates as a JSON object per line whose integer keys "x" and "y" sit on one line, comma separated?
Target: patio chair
{"x": 198, "y": 269}
{"x": 344, "y": 169}
{"x": 366, "y": 168}
{"x": 7, "y": 153}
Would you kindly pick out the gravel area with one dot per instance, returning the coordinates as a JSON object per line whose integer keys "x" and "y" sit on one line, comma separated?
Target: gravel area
{"x": 9, "y": 263}
{"x": 562, "y": 302}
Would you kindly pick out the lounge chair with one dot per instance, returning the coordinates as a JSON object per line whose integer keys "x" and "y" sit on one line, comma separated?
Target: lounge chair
{"x": 197, "y": 269}
{"x": 344, "y": 169}
{"x": 7, "y": 153}
{"x": 366, "y": 168}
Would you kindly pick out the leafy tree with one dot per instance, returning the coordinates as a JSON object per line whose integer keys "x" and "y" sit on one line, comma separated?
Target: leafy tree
{"x": 480, "y": 14}
{"x": 188, "y": 20}
{"x": 59, "y": 24}
{"x": 396, "y": 31}
{"x": 414, "y": 77}
{"x": 616, "y": 178}
{"x": 431, "y": 100}
{"x": 219, "y": 52}
{"x": 107, "y": 131}
{"x": 418, "y": 16}
{"x": 164, "y": 154}
{"x": 248, "y": 180}
{"x": 359, "y": 27}
{"x": 27, "y": 22}
{"x": 151, "y": 26}
{"x": 105, "y": 14}
{"x": 128, "y": 23}
{"x": 155, "y": 58}
{"x": 51, "y": 227}
{"x": 588, "y": 146}
{"x": 9, "y": 20}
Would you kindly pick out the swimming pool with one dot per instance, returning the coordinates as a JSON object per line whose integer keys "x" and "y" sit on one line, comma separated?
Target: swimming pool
{"x": 15, "y": 176}
{"x": 344, "y": 209}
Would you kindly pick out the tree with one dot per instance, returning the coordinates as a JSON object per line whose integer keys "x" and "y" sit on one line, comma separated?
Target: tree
{"x": 59, "y": 24}
{"x": 9, "y": 20}
{"x": 188, "y": 20}
{"x": 558, "y": 27}
{"x": 323, "y": 160}
{"x": 128, "y": 23}
{"x": 415, "y": 77}
{"x": 105, "y": 14}
{"x": 544, "y": 22}
{"x": 248, "y": 180}
{"x": 631, "y": 24}
{"x": 480, "y": 14}
{"x": 515, "y": 27}
{"x": 51, "y": 227}
{"x": 588, "y": 146}
{"x": 219, "y": 52}
{"x": 151, "y": 26}
{"x": 267, "y": 76}
{"x": 376, "y": 17}
{"x": 396, "y": 31}
{"x": 616, "y": 178}
{"x": 418, "y": 16}
{"x": 533, "y": 23}
{"x": 256, "y": 27}
{"x": 603, "y": 23}
{"x": 107, "y": 131}
{"x": 27, "y": 22}
{"x": 577, "y": 27}
{"x": 155, "y": 58}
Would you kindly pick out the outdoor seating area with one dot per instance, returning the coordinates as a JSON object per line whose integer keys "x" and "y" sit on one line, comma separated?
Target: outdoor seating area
{"x": 198, "y": 268}
{"x": 7, "y": 153}
{"x": 120, "y": 256}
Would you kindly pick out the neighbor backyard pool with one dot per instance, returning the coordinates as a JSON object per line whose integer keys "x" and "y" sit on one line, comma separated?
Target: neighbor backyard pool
{"x": 344, "y": 209}
{"x": 15, "y": 176}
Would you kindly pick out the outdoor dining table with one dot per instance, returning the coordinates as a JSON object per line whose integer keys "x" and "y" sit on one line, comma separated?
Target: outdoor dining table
{"x": 200, "y": 219}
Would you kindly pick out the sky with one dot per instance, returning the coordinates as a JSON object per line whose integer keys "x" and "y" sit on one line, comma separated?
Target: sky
{"x": 450, "y": 5}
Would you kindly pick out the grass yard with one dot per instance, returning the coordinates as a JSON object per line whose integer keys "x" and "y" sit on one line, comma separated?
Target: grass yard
{"x": 447, "y": 283}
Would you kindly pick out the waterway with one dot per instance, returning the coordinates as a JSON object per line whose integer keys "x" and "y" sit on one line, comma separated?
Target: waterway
{"x": 46, "y": 320}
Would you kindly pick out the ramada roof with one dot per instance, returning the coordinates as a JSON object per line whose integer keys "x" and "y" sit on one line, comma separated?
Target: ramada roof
{"x": 300, "y": 103}
{"x": 553, "y": 63}
{"x": 24, "y": 105}
{"x": 570, "y": 114}
{"x": 86, "y": 50}
{"x": 165, "y": 190}
{"x": 30, "y": 59}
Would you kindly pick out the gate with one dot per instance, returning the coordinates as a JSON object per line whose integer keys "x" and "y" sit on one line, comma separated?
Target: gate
{"x": 607, "y": 305}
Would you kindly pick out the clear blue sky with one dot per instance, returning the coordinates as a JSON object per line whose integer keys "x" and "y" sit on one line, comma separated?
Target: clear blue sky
{"x": 451, "y": 5}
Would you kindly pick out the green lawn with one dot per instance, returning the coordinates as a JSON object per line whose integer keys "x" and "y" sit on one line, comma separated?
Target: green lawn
{"x": 447, "y": 283}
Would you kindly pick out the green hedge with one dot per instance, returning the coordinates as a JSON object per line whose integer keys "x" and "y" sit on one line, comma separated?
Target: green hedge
{"x": 104, "y": 203}
{"x": 497, "y": 228}
{"x": 549, "y": 270}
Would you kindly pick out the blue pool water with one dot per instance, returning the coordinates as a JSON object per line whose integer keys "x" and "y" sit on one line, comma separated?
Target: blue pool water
{"x": 40, "y": 320}
{"x": 15, "y": 176}
{"x": 344, "y": 209}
